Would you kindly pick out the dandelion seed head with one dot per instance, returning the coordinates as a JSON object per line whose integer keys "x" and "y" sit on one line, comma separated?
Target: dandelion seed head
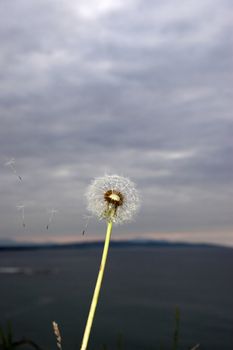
{"x": 113, "y": 197}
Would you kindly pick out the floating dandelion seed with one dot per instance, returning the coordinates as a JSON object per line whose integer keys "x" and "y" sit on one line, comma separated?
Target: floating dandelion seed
{"x": 22, "y": 209}
{"x": 51, "y": 213}
{"x": 11, "y": 164}
{"x": 87, "y": 218}
{"x": 115, "y": 199}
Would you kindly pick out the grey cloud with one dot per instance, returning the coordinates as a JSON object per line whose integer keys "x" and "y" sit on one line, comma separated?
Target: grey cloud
{"x": 143, "y": 90}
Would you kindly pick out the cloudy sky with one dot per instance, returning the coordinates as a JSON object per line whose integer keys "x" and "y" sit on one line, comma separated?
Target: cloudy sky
{"x": 139, "y": 88}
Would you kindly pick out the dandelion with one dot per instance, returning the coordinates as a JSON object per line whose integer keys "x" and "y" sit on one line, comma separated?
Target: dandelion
{"x": 115, "y": 199}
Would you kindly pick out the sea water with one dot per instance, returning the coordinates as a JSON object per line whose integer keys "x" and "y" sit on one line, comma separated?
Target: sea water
{"x": 141, "y": 290}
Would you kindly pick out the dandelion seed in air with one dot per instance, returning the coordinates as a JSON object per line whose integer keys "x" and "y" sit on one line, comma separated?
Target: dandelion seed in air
{"x": 87, "y": 218}
{"x": 22, "y": 209}
{"x": 11, "y": 164}
{"x": 51, "y": 213}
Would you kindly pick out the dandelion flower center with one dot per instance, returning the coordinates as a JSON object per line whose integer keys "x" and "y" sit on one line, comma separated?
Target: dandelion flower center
{"x": 114, "y": 197}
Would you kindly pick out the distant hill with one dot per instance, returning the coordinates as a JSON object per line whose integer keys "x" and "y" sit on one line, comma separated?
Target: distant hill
{"x": 6, "y": 244}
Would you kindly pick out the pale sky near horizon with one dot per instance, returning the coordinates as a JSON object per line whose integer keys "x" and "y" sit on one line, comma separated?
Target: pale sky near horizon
{"x": 137, "y": 88}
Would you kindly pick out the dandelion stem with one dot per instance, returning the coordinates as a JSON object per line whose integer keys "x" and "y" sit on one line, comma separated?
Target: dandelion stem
{"x": 97, "y": 287}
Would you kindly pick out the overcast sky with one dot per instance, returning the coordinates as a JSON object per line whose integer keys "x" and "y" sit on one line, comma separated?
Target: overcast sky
{"x": 138, "y": 88}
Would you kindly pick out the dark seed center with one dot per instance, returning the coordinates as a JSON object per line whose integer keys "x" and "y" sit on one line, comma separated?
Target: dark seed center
{"x": 114, "y": 197}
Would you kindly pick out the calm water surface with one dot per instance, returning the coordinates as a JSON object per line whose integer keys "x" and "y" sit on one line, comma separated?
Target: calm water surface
{"x": 142, "y": 287}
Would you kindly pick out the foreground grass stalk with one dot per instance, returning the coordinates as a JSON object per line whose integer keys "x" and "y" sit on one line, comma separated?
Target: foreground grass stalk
{"x": 97, "y": 288}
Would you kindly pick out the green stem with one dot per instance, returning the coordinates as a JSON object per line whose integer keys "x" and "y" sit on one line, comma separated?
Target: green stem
{"x": 97, "y": 288}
